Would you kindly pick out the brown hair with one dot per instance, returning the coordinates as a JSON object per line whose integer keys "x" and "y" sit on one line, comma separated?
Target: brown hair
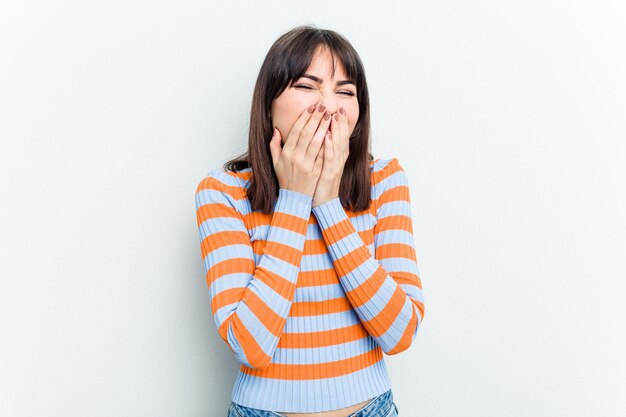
{"x": 287, "y": 60}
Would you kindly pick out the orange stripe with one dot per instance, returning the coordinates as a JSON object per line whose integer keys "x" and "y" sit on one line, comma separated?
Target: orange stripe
{"x": 338, "y": 231}
{"x": 391, "y": 167}
{"x": 396, "y": 193}
{"x": 402, "y": 277}
{"x": 420, "y": 307}
{"x": 407, "y": 337}
{"x": 221, "y": 239}
{"x": 398, "y": 222}
{"x": 223, "y": 298}
{"x": 223, "y": 330}
{"x": 367, "y": 237}
{"x": 210, "y": 183}
{"x": 343, "y": 229}
{"x": 290, "y": 222}
{"x": 258, "y": 218}
{"x": 214, "y": 210}
{"x": 229, "y": 266}
{"x": 319, "y": 370}
{"x": 395, "y": 250}
{"x": 352, "y": 260}
{"x": 323, "y": 338}
{"x": 280, "y": 285}
{"x": 255, "y": 355}
{"x": 244, "y": 175}
{"x": 385, "y": 318}
{"x": 318, "y": 308}
{"x": 317, "y": 278}
{"x": 315, "y": 247}
{"x": 272, "y": 321}
{"x": 368, "y": 288}
{"x": 284, "y": 252}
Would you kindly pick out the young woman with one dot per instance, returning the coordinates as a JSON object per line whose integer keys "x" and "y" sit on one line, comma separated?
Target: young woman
{"x": 307, "y": 241}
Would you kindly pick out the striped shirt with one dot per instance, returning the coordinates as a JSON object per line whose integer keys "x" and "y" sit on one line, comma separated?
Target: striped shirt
{"x": 308, "y": 298}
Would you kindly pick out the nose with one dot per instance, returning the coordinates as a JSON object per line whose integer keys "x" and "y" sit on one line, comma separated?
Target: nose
{"x": 330, "y": 102}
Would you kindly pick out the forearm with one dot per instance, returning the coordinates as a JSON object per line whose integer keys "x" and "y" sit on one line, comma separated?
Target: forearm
{"x": 384, "y": 308}
{"x": 251, "y": 301}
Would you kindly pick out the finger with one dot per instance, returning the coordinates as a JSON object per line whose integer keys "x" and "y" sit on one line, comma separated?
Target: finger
{"x": 319, "y": 161}
{"x": 329, "y": 144}
{"x": 309, "y": 129}
{"x": 275, "y": 147}
{"x": 318, "y": 138}
{"x": 335, "y": 127}
{"x": 294, "y": 133}
{"x": 343, "y": 123}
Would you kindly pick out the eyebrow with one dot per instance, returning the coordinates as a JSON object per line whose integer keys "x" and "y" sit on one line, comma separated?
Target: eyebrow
{"x": 320, "y": 81}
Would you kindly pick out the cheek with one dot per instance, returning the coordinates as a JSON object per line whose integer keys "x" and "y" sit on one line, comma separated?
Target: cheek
{"x": 287, "y": 111}
{"x": 353, "y": 117}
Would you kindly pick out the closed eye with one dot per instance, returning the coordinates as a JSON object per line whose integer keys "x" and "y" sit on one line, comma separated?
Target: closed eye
{"x": 308, "y": 87}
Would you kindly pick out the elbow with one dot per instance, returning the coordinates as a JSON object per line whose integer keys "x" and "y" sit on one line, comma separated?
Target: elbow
{"x": 257, "y": 359}
{"x": 407, "y": 338}
{"x": 249, "y": 354}
{"x": 258, "y": 363}
{"x": 401, "y": 346}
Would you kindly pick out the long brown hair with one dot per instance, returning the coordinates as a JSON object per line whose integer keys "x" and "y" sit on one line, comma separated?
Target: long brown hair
{"x": 287, "y": 60}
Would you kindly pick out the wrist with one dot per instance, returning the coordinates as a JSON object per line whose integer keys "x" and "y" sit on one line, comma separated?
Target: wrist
{"x": 323, "y": 198}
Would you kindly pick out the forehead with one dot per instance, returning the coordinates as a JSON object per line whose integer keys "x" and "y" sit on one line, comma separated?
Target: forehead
{"x": 322, "y": 65}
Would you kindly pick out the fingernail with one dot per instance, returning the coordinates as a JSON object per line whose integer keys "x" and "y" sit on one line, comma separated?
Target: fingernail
{"x": 341, "y": 110}
{"x": 321, "y": 108}
{"x": 326, "y": 116}
{"x": 311, "y": 109}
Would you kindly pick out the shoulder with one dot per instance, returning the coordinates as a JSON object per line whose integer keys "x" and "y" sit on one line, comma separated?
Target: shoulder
{"x": 389, "y": 183}
{"x": 219, "y": 180}
{"x": 387, "y": 171}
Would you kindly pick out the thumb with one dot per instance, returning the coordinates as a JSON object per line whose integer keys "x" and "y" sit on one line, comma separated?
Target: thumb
{"x": 328, "y": 145}
{"x": 275, "y": 147}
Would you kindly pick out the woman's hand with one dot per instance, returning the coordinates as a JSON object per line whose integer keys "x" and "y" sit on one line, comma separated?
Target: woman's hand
{"x": 336, "y": 149}
{"x": 298, "y": 163}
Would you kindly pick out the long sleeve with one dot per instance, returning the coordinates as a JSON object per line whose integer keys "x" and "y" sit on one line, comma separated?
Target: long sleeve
{"x": 385, "y": 290}
{"x": 250, "y": 302}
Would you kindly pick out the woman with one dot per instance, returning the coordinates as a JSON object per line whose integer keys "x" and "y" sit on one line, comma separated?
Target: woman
{"x": 307, "y": 242}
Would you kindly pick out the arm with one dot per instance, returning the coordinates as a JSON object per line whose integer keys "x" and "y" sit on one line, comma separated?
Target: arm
{"x": 250, "y": 303}
{"x": 385, "y": 290}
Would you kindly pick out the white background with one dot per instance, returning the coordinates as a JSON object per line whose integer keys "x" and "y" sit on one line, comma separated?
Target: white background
{"x": 509, "y": 117}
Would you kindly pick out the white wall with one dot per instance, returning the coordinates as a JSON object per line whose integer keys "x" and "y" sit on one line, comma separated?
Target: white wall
{"x": 509, "y": 118}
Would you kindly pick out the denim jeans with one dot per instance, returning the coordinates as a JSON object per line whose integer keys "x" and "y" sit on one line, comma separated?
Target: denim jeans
{"x": 381, "y": 406}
